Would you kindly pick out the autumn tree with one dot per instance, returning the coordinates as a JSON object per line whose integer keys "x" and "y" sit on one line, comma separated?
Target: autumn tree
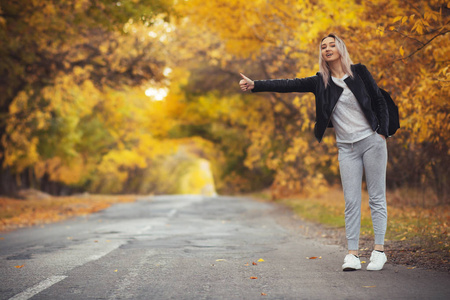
{"x": 73, "y": 107}
{"x": 48, "y": 46}
{"x": 406, "y": 49}
{"x": 265, "y": 40}
{"x": 403, "y": 44}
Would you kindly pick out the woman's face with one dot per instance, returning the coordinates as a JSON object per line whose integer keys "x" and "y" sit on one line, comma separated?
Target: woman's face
{"x": 329, "y": 50}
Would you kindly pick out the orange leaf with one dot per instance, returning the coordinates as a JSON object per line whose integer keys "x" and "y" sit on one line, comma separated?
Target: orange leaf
{"x": 398, "y": 18}
{"x": 255, "y": 264}
{"x": 253, "y": 277}
{"x": 314, "y": 257}
{"x": 246, "y": 265}
{"x": 18, "y": 267}
{"x": 263, "y": 294}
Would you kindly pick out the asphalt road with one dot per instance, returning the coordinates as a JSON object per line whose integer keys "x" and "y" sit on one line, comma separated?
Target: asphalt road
{"x": 193, "y": 247}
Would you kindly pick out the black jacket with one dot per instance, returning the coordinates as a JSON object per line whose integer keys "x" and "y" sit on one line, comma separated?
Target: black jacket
{"x": 369, "y": 97}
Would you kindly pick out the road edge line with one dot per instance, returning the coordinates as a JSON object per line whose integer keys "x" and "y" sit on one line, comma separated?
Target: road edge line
{"x": 36, "y": 289}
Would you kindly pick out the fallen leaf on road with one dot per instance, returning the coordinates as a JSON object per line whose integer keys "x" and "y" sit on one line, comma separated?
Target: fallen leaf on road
{"x": 18, "y": 267}
{"x": 253, "y": 277}
{"x": 363, "y": 262}
{"x": 2, "y": 238}
{"x": 369, "y": 286}
{"x": 314, "y": 257}
{"x": 221, "y": 259}
{"x": 263, "y": 294}
{"x": 260, "y": 260}
{"x": 69, "y": 238}
{"x": 246, "y": 265}
{"x": 95, "y": 241}
{"x": 115, "y": 270}
{"x": 255, "y": 264}
{"x": 411, "y": 268}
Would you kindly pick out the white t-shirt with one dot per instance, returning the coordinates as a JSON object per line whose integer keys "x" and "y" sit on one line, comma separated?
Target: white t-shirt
{"x": 348, "y": 119}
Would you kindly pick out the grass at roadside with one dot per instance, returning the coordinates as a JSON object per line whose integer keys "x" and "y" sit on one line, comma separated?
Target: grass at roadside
{"x": 414, "y": 229}
{"x": 17, "y": 213}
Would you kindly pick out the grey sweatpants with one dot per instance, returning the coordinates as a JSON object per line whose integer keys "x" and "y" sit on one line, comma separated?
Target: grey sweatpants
{"x": 370, "y": 155}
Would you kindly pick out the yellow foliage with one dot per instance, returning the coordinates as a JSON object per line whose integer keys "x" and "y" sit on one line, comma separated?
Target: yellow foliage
{"x": 282, "y": 38}
{"x": 198, "y": 179}
{"x": 78, "y": 132}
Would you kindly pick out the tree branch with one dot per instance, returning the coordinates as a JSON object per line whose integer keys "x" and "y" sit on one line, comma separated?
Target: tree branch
{"x": 423, "y": 46}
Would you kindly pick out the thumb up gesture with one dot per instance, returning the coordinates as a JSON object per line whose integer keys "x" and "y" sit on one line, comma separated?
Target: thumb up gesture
{"x": 246, "y": 83}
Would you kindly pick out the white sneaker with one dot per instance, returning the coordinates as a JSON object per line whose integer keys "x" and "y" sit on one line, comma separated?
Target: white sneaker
{"x": 351, "y": 263}
{"x": 377, "y": 261}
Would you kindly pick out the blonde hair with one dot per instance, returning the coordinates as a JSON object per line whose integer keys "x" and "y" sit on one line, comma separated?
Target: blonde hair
{"x": 346, "y": 62}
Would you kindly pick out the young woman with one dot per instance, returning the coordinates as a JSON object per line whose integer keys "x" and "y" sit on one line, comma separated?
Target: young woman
{"x": 348, "y": 99}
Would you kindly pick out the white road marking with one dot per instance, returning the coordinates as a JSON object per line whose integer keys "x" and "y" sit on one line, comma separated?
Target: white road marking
{"x": 45, "y": 284}
{"x": 144, "y": 229}
{"x": 79, "y": 258}
{"x": 97, "y": 249}
{"x": 124, "y": 289}
{"x": 96, "y": 256}
{"x": 171, "y": 213}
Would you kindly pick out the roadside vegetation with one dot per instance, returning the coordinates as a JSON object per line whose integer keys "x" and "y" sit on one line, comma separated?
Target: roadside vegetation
{"x": 38, "y": 209}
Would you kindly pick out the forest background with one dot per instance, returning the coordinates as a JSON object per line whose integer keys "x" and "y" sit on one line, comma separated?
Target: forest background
{"x": 142, "y": 96}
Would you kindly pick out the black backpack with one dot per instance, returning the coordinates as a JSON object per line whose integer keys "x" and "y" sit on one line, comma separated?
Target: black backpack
{"x": 394, "y": 118}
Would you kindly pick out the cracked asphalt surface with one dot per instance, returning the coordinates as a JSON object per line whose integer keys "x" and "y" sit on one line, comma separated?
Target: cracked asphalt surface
{"x": 194, "y": 247}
